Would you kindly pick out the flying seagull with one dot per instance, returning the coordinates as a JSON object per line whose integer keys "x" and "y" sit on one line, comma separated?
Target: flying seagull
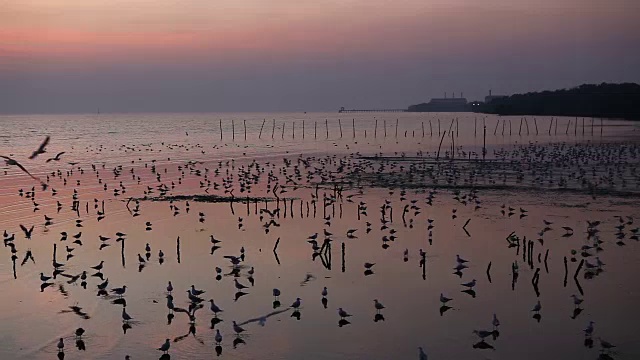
{"x": 41, "y": 149}
{"x": 10, "y": 161}
{"x": 56, "y": 158}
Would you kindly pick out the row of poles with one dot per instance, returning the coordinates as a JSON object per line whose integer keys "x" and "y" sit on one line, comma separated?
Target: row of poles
{"x": 505, "y": 123}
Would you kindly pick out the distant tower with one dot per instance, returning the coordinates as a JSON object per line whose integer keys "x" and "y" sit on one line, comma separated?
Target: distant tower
{"x": 453, "y": 95}
{"x": 445, "y": 94}
{"x": 489, "y": 92}
{"x": 461, "y": 94}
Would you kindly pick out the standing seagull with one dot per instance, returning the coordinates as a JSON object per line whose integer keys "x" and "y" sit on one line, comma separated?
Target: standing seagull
{"x": 237, "y": 328}
{"x": 470, "y": 284}
{"x": 495, "y": 322}
{"x": 165, "y": 347}
{"x": 61, "y": 345}
{"x": 296, "y": 304}
{"x": 125, "y": 317}
{"x": 215, "y": 308}
{"x": 444, "y": 299}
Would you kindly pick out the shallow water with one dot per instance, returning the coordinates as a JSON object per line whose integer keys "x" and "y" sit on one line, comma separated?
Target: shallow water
{"x": 33, "y": 320}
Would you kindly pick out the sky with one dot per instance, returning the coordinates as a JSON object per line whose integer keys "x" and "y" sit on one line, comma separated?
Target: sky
{"x": 75, "y": 56}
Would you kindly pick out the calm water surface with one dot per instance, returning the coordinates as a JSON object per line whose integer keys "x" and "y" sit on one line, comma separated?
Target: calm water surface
{"x": 33, "y": 318}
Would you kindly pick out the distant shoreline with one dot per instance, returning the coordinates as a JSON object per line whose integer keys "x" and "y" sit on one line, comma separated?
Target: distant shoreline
{"x": 613, "y": 101}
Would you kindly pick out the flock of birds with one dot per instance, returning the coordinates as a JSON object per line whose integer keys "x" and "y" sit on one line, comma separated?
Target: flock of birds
{"x": 325, "y": 184}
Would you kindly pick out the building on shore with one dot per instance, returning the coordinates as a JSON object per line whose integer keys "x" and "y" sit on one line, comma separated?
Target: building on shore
{"x": 490, "y": 97}
{"x": 445, "y": 104}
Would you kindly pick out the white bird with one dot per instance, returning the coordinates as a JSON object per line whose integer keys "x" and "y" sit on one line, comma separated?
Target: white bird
{"x": 125, "y": 317}
{"x": 165, "y": 347}
{"x": 324, "y": 292}
{"x": 218, "y": 337}
{"x": 423, "y": 355}
{"x": 237, "y": 328}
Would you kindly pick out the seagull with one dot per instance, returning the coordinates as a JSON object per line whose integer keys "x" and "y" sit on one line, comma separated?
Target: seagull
{"x": 165, "y": 347}
{"x": 41, "y": 149}
{"x": 119, "y": 291}
{"x": 378, "y": 305}
{"x": 44, "y": 278}
{"x": 444, "y": 299}
{"x": 589, "y": 330}
{"x": 61, "y": 345}
{"x": 324, "y": 292}
{"x": 482, "y": 333}
{"x": 10, "y": 161}
{"x": 537, "y": 307}
{"x": 237, "y": 328}
{"x": 576, "y": 300}
{"x": 218, "y": 337}
{"x": 495, "y": 321}
{"x": 343, "y": 314}
{"x": 56, "y": 158}
{"x": 296, "y": 304}
{"x": 276, "y": 293}
{"x": 125, "y": 317}
{"x": 215, "y": 307}
{"x": 368, "y": 265}
{"x": 193, "y": 298}
{"x": 169, "y": 287}
{"x": 79, "y": 332}
{"x": 460, "y": 260}
{"x": 238, "y": 285}
{"x": 27, "y": 232}
{"x": 99, "y": 266}
{"x": 470, "y": 284}
{"x": 196, "y": 292}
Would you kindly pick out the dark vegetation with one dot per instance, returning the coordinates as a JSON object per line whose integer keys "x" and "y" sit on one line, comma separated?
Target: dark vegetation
{"x": 588, "y": 100}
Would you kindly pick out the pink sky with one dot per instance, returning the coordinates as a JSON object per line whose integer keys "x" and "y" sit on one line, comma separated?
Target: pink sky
{"x": 50, "y": 35}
